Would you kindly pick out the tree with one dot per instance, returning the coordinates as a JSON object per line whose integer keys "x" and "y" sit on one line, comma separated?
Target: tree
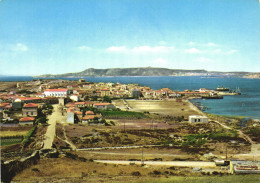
{"x": 107, "y": 99}
{"x": 42, "y": 120}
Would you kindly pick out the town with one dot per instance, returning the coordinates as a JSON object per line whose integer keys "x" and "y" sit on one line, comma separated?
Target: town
{"x": 89, "y": 121}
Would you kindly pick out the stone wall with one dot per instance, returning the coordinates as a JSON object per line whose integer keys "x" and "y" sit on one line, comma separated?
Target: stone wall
{"x": 10, "y": 168}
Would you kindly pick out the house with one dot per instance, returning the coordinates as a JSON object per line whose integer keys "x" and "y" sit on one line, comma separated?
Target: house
{"x": 74, "y": 98}
{"x": 27, "y": 121}
{"x": 136, "y": 93}
{"x": 5, "y": 107}
{"x": 103, "y": 106}
{"x": 70, "y": 115}
{"x": 105, "y": 92}
{"x": 244, "y": 167}
{"x": 30, "y": 109}
{"x": 198, "y": 119}
{"x": 73, "y": 115}
{"x": 89, "y": 117}
{"x": 56, "y": 93}
{"x": 82, "y": 80}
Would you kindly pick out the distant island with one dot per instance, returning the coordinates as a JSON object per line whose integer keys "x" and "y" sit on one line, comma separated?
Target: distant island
{"x": 145, "y": 71}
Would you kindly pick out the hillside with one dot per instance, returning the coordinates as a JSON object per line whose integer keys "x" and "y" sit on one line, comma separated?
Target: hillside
{"x": 142, "y": 71}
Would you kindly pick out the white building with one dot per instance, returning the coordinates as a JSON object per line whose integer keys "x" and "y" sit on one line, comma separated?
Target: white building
{"x": 74, "y": 98}
{"x": 56, "y": 93}
{"x": 198, "y": 119}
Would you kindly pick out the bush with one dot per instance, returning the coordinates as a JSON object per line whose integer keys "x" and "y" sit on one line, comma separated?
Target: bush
{"x": 27, "y": 137}
{"x": 137, "y": 173}
{"x": 41, "y": 120}
{"x": 112, "y": 123}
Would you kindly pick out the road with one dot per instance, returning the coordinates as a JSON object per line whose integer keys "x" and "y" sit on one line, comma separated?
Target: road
{"x": 51, "y": 130}
{"x": 163, "y": 163}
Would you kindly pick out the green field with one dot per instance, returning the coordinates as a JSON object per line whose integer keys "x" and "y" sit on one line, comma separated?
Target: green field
{"x": 122, "y": 114}
{"x": 10, "y": 141}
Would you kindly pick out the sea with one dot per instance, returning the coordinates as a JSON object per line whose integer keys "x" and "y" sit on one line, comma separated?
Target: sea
{"x": 247, "y": 104}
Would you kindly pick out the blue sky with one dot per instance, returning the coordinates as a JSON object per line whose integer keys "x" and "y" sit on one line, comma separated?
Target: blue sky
{"x": 57, "y": 36}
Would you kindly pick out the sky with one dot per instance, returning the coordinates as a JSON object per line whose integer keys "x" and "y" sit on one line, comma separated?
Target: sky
{"x": 57, "y": 36}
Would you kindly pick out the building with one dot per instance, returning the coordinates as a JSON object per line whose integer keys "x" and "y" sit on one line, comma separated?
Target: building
{"x": 56, "y": 93}
{"x": 244, "y": 167}
{"x": 5, "y": 107}
{"x": 198, "y": 119}
{"x": 70, "y": 115}
{"x": 105, "y": 92}
{"x": 103, "y": 106}
{"x": 136, "y": 93}
{"x": 27, "y": 121}
{"x": 73, "y": 115}
{"x": 82, "y": 80}
{"x": 30, "y": 109}
{"x": 74, "y": 98}
{"x": 90, "y": 117}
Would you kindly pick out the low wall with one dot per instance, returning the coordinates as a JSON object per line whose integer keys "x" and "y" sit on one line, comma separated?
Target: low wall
{"x": 10, "y": 168}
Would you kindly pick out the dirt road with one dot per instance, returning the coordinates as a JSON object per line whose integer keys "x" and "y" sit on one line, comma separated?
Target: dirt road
{"x": 163, "y": 163}
{"x": 52, "y": 120}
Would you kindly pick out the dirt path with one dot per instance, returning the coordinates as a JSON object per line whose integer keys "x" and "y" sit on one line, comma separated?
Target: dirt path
{"x": 51, "y": 130}
{"x": 163, "y": 163}
{"x": 73, "y": 147}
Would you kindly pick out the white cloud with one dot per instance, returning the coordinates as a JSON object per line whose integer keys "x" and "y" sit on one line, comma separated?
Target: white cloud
{"x": 162, "y": 43}
{"x": 211, "y": 44}
{"x": 116, "y": 49}
{"x": 84, "y": 48}
{"x": 156, "y": 49}
{"x": 230, "y": 52}
{"x": 141, "y": 49}
{"x": 204, "y": 60}
{"x": 193, "y": 51}
{"x": 161, "y": 61}
{"x": 191, "y": 43}
{"x": 217, "y": 51}
{"x": 20, "y": 47}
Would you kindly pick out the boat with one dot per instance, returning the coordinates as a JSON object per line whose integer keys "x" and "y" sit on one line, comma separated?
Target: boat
{"x": 221, "y": 88}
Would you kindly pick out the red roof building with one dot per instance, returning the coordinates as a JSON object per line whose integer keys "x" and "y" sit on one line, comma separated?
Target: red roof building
{"x": 30, "y": 109}
{"x": 31, "y": 105}
{"x": 26, "y": 121}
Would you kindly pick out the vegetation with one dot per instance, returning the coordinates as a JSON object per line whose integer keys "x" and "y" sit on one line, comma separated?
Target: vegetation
{"x": 255, "y": 131}
{"x": 206, "y": 179}
{"x": 122, "y": 114}
{"x": 41, "y": 120}
{"x": 24, "y": 91}
{"x": 195, "y": 140}
{"x": 10, "y": 140}
{"x": 28, "y": 136}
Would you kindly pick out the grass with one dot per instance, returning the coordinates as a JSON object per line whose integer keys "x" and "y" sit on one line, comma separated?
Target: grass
{"x": 28, "y": 135}
{"x": 7, "y": 142}
{"x": 123, "y": 114}
{"x": 12, "y": 133}
{"x": 207, "y": 179}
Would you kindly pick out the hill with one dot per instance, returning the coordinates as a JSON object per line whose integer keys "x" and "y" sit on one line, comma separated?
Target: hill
{"x": 142, "y": 71}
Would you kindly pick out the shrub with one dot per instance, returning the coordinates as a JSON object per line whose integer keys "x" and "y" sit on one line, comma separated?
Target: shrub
{"x": 137, "y": 173}
{"x": 28, "y": 136}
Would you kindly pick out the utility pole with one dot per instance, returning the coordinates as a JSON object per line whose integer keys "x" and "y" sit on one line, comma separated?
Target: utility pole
{"x": 226, "y": 152}
{"x": 142, "y": 161}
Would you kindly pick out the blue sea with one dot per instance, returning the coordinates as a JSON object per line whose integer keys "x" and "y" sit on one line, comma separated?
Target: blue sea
{"x": 247, "y": 104}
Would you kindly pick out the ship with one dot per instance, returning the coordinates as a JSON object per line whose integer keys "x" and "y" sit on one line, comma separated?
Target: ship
{"x": 220, "y": 88}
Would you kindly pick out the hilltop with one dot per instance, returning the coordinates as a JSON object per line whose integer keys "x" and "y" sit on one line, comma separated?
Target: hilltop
{"x": 143, "y": 71}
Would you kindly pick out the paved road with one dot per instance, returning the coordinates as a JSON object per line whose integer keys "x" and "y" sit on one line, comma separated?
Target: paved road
{"x": 164, "y": 163}
{"x": 51, "y": 130}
